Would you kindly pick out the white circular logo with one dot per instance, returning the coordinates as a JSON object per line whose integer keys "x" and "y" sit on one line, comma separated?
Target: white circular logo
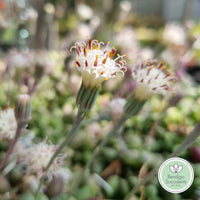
{"x": 175, "y": 175}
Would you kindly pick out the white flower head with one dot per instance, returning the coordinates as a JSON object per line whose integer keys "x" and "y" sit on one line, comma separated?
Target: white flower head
{"x": 8, "y": 124}
{"x": 44, "y": 60}
{"x": 85, "y": 12}
{"x": 175, "y": 34}
{"x": 18, "y": 59}
{"x": 96, "y": 64}
{"x": 152, "y": 78}
{"x": 39, "y": 155}
{"x": 117, "y": 106}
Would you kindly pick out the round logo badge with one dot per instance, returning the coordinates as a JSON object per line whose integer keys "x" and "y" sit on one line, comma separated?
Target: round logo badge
{"x": 175, "y": 175}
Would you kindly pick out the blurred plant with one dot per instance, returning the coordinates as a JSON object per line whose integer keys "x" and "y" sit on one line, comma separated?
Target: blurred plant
{"x": 23, "y": 116}
{"x": 189, "y": 140}
{"x": 117, "y": 111}
{"x": 172, "y": 102}
{"x": 174, "y": 34}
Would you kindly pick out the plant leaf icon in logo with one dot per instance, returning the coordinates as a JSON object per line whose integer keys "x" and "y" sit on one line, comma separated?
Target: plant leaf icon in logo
{"x": 175, "y": 168}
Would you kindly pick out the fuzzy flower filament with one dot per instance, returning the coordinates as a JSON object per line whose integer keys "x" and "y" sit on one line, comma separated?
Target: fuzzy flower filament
{"x": 96, "y": 65}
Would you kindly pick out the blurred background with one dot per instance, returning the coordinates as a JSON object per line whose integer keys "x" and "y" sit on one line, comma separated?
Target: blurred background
{"x": 35, "y": 38}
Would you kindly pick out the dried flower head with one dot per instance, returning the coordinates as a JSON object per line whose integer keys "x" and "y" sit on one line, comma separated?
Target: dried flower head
{"x": 152, "y": 78}
{"x": 8, "y": 124}
{"x": 96, "y": 64}
{"x": 39, "y": 155}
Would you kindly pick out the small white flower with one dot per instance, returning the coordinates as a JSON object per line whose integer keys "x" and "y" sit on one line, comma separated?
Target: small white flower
{"x": 39, "y": 155}
{"x": 152, "y": 78}
{"x": 44, "y": 60}
{"x": 175, "y": 34}
{"x": 8, "y": 124}
{"x": 65, "y": 174}
{"x": 18, "y": 59}
{"x": 85, "y": 12}
{"x": 127, "y": 38}
{"x": 31, "y": 14}
{"x": 96, "y": 64}
{"x": 117, "y": 106}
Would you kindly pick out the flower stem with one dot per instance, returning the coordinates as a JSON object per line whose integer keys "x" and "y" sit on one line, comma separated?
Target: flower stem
{"x": 12, "y": 145}
{"x": 97, "y": 150}
{"x": 182, "y": 147}
{"x": 79, "y": 118}
{"x": 104, "y": 142}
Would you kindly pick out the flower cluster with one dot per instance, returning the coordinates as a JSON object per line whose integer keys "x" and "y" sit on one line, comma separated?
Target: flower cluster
{"x": 175, "y": 34}
{"x": 38, "y": 156}
{"x": 96, "y": 64}
{"x": 152, "y": 78}
{"x": 35, "y": 157}
{"x": 8, "y": 124}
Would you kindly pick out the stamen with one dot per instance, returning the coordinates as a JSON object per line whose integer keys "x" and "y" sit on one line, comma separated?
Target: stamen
{"x": 99, "y": 44}
{"x": 161, "y": 64}
{"x": 79, "y": 48}
{"x": 90, "y": 44}
{"x": 112, "y": 52}
{"x": 78, "y": 52}
{"x": 106, "y": 46}
{"x": 168, "y": 74}
{"x": 119, "y": 57}
{"x": 85, "y": 52}
{"x": 113, "y": 74}
{"x": 95, "y": 47}
{"x": 78, "y": 63}
{"x": 95, "y": 62}
{"x": 148, "y": 71}
{"x": 86, "y": 63}
{"x": 72, "y": 48}
{"x": 123, "y": 69}
{"x": 94, "y": 42}
{"x": 105, "y": 59}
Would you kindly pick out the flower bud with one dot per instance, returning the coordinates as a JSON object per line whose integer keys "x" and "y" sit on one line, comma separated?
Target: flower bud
{"x": 23, "y": 109}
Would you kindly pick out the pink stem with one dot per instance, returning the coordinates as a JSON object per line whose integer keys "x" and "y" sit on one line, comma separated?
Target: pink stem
{"x": 12, "y": 145}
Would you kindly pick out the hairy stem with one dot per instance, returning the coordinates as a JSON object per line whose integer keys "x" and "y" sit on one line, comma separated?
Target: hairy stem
{"x": 12, "y": 145}
{"x": 79, "y": 118}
